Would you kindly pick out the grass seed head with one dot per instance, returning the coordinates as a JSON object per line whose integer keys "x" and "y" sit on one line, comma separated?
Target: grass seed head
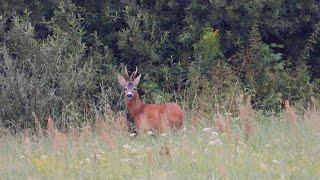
{"x": 59, "y": 141}
{"x": 50, "y": 127}
{"x": 85, "y": 130}
{"x": 101, "y": 126}
{"x": 74, "y": 134}
{"x": 37, "y": 123}
{"x": 291, "y": 117}
{"x": 245, "y": 115}
{"x": 27, "y": 143}
{"x": 105, "y": 137}
{"x": 311, "y": 118}
{"x": 120, "y": 124}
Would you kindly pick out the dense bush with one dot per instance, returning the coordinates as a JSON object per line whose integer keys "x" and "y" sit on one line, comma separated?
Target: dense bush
{"x": 59, "y": 57}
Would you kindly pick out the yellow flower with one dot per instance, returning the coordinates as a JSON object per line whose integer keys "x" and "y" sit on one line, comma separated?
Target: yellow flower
{"x": 39, "y": 164}
{"x": 215, "y": 32}
{"x": 48, "y": 164}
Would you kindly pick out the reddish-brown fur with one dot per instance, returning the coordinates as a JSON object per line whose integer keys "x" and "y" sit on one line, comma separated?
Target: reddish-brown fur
{"x": 154, "y": 116}
{"x": 157, "y": 117}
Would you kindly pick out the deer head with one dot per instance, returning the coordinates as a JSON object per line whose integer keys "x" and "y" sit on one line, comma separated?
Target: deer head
{"x": 130, "y": 87}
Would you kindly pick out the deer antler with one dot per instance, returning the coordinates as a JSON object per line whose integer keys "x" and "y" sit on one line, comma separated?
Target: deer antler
{"x": 126, "y": 71}
{"x": 134, "y": 73}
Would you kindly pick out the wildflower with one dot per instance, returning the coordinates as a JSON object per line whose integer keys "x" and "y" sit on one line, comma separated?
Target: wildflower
{"x": 125, "y": 160}
{"x": 276, "y": 161}
{"x": 268, "y": 145}
{"x": 213, "y": 175}
{"x": 126, "y": 146}
{"x": 163, "y": 134}
{"x": 206, "y": 151}
{"x": 133, "y": 151}
{"x": 216, "y": 142}
{"x": 206, "y": 130}
{"x": 100, "y": 151}
{"x": 214, "y": 134}
{"x": 150, "y": 133}
{"x": 44, "y": 157}
{"x": 215, "y": 32}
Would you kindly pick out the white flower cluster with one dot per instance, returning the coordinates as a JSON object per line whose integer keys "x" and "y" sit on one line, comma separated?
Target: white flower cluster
{"x": 214, "y": 136}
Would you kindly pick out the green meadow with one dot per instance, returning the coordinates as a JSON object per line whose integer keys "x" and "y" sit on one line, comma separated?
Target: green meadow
{"x": 251, "y": 145}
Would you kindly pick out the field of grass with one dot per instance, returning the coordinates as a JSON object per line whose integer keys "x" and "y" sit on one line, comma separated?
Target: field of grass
{"x": 249, "y": 146}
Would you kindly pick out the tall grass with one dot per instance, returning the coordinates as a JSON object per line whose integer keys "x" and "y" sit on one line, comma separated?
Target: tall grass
{"x": 249, "y": 145}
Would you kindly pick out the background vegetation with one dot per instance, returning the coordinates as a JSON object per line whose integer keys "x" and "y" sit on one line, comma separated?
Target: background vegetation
{"x": 233, "y": 65}
{"x": 60, "y": 58}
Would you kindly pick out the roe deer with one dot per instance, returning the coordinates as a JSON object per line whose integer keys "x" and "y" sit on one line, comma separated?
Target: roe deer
{"x": 154, "y": 117}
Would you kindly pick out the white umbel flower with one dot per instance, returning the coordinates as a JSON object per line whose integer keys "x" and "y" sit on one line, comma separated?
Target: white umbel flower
{"x": 216, "y": 142}
{"x": 206, "y": 130}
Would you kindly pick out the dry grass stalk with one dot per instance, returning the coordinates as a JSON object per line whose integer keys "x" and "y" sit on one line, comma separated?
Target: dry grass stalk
{"x": 75, "y": 134}
{"x": 27, "y": 143}
{"x": 85, "y": 130}
{"x": 311, "y": 118}
{"x": 144, "y": 127}
{"x": 101, "y": 126}
{"x": 150, "y": 156}
{"x": 94, "y": 158}
{"x": 59, "y": 141}
{"x": 224, "y": 172}
{"x": 103, "y": 129}
{"x": 37, "y": 123}
{"x": 195, "y": 120}
{"x": 219, "y": 125}
{"x": 164, "y": 125}
{"x": 165, "y": 150}
{"x": 291, "y": 117}
{"x": 105, "y": 137}
{"x": 223, "y": 125}
{"x": 120, "y": 123}
{"x": 245, "y": 115}
{"x": 186, "y": 148}
{"x": 228, "y": 126}
{"x": 50, "y": 127}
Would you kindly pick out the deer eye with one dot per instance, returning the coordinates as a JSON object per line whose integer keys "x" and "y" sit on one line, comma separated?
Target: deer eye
{"x": 135, "y": 89}
{"x": 125, "y": 89}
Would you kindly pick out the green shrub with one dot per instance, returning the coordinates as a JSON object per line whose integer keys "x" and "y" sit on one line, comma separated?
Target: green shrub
{"x": 44, "y": 76}
{"x": 266, "y": 77}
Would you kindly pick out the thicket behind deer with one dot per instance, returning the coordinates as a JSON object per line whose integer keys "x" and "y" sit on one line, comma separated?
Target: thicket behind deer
{"x": 155, "y": 117}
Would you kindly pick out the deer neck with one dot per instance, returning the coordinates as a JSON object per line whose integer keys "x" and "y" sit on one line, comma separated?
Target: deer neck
{"x": 135, "y": 106}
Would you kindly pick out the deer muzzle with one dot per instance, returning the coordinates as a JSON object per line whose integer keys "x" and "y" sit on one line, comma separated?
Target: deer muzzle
{"x": 129, "y": 96}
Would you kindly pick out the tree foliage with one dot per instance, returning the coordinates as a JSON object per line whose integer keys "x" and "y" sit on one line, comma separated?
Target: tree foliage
{"x": 57, "y": 53}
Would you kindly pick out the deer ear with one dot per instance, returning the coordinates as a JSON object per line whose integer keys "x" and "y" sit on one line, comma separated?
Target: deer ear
{"x": 136, "y": 80}
{"x": 121, "y": 80}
